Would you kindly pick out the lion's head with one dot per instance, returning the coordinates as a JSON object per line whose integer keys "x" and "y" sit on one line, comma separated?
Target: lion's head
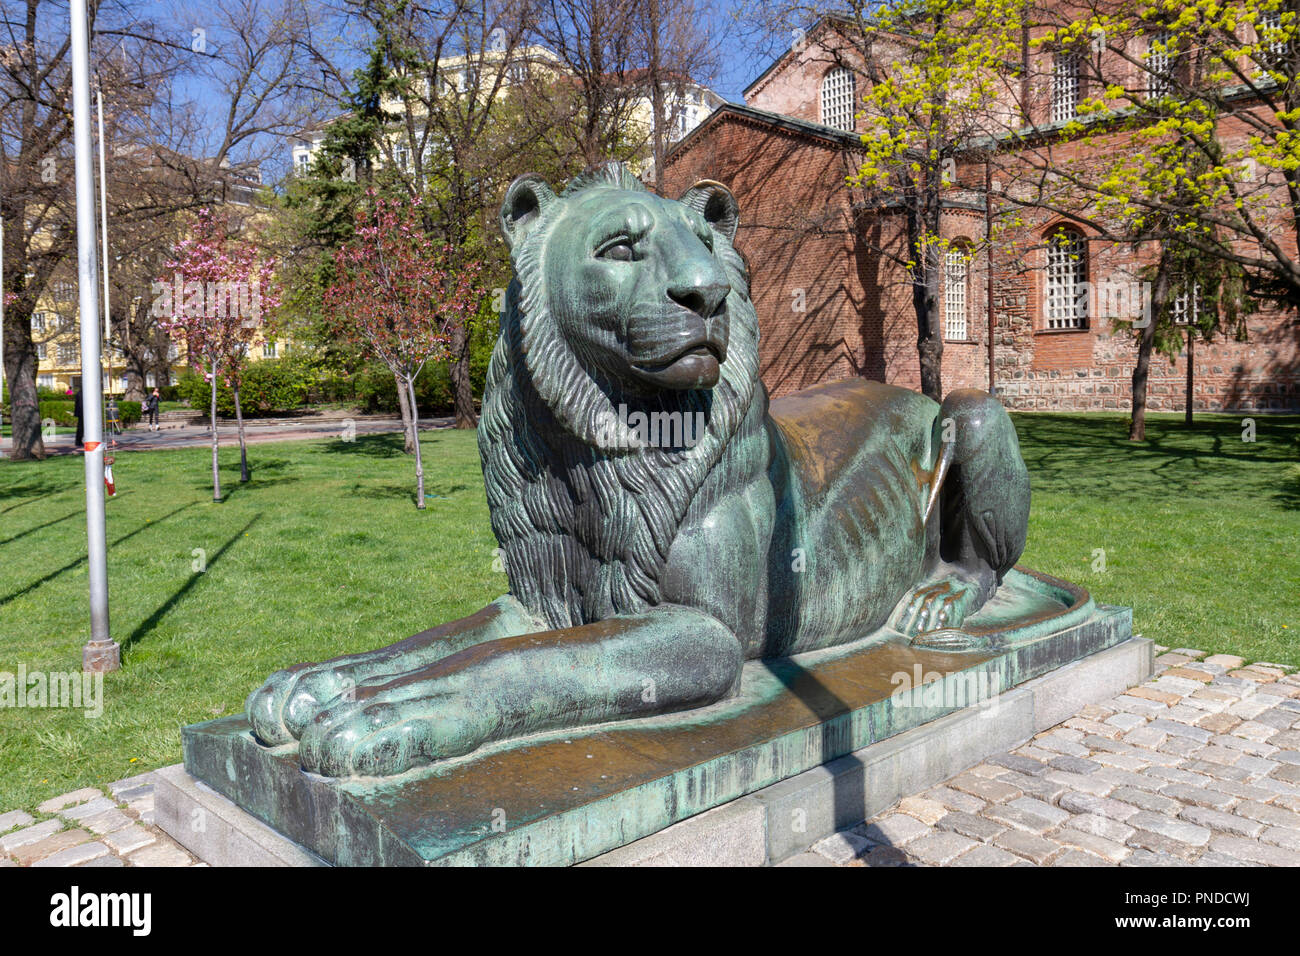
{"x": 623, "y": 302}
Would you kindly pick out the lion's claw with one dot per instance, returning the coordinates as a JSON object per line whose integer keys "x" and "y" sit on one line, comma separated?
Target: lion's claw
{"x": 388, "y": 731}
{"x": 265, "y": 707}
{"x": 939, "y": 606}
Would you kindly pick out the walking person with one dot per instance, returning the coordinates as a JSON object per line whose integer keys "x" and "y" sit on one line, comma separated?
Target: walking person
{"x": 78, "y": 413}
{"x": 151, "y": 409}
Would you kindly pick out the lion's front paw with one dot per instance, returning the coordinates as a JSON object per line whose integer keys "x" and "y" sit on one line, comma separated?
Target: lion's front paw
{"x": 392, "y": 727}
{"x": 283, "y": 706}
{"x": 940, "y": 606}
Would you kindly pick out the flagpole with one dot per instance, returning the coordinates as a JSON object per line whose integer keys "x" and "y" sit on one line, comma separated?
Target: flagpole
{"x": 103, "y": 225}
{"x": 101, "y": 653}
{"x": 2, "y": 325}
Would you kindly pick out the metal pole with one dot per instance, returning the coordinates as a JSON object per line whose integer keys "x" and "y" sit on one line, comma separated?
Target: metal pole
{"x": 988, "y": 275}
{"x": 103, "y": 225}
{"x": 2, "y": 322}
{"x": 101, "y": 653}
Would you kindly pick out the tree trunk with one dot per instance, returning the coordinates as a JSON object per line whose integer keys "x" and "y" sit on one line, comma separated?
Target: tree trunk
{"x": 216, "y": 478}
{"x": 462, "y": 392}
{"x": 404, "y": 403}
{"x": 243, "y": 448}
{"x": 419, "y": 459}
{"x": 656, "y": 94}
{"x": 922, "y": 227}
{"x": 1191, "y": 370}
{"x": 1137, "y": 429}
{"x": 20, "y": 382}
{"x": 929, "y": 338}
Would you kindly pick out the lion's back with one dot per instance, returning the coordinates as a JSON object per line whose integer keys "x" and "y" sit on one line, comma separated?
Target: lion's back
{"x": 828, "y": 428}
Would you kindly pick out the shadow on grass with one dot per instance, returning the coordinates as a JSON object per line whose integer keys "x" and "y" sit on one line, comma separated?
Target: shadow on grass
{"x": 383, "y": 492}
{"x": 1289, "y": 496}
{"x": 261, "y": 474}
{"x": 384, "y": 445}
{"x": 1084, "y": 454}
{"x": 21, "y": 534}
{"x": 81, "y": 559}
{"x": 38, "y": 487}
{"x": 149, "y": 623}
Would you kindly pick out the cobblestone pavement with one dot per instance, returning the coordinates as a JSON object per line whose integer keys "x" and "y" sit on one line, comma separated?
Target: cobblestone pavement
{"x": 91, "y": 827}
{"x": 1198, "y": 766}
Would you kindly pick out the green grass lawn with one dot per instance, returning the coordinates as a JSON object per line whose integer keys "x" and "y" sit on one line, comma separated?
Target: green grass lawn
{"x": 323, "y": 553}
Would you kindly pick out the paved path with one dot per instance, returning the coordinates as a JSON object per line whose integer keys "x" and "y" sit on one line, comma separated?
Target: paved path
{"x": 91, "y": 827}
{"x": 1200, "y": 765}
{"x": 140, "y": 438}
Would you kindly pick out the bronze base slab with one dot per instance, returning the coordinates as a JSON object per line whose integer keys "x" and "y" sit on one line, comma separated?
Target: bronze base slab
{"x": 561, "y": 798}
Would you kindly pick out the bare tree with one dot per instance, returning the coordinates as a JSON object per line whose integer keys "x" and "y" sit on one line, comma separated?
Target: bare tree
{"x": 196, "y": 102}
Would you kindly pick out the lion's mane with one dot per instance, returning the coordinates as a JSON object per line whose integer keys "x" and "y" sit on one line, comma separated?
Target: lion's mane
{"x": 586, "y": 527}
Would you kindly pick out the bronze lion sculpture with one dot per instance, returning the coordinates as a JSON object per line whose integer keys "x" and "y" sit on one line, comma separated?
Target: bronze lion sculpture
{"x": 659, "y": 525}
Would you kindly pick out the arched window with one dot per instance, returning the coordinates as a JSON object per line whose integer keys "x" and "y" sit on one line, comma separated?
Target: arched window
{"x": 1067, "y": 281}
{"x": 955, "y": 280}
{"x": 839, "y": 93}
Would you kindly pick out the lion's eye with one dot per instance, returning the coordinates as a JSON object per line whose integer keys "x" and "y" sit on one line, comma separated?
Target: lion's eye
{"x": 619, "y": 249}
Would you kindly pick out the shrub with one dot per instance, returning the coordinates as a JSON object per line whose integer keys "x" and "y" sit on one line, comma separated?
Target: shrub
{"x": 195, "y": 390}
{"x": 271, "y": 385}
{"x": 128, "y": 412}
{"x": 60, "y": 410}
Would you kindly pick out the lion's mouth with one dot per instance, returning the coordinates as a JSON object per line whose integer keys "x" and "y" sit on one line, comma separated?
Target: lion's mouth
{"x": 706, "y": 350}
{"x": 699, "y": 365}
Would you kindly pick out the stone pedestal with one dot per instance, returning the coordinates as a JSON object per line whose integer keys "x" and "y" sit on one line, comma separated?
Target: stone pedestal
{"x": 825, "y": 741}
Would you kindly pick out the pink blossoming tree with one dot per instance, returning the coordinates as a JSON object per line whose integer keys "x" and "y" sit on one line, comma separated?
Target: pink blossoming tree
{"x": 216, "y": 299}
{"x": 398, "y": 296}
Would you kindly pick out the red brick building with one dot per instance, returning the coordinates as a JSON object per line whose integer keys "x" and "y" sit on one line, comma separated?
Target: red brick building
{"x": 832, "y": 303}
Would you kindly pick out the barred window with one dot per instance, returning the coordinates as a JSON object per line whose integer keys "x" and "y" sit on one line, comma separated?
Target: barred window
{"x": 954, "y": 296}
{"x": 839, "y": 93}
{"x": 1065, "y": 87}
{"x": 1270, "y": 22}
{"x": 1159, "y": 64}
{"x": 1187, "y": 305}
{"x": 268, "y": 348}
{"x": 1067, "y": 286}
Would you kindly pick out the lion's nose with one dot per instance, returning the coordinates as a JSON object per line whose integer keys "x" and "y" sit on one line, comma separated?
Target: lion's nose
{"x": 702, "y": 292}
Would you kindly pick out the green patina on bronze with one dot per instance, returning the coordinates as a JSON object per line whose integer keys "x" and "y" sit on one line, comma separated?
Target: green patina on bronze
{"x": 561, "y": 797}
{"x": 660, "y": 524}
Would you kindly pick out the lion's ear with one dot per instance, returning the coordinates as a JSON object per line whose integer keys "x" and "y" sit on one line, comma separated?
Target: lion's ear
{"x": 526, "y": 199}
{"x": 714, "y": 202}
